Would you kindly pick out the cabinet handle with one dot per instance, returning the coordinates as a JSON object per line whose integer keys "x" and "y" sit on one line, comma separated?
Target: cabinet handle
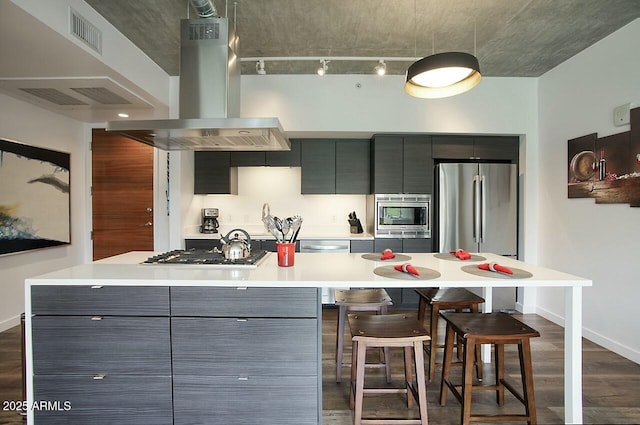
{"x": 241, "y": 320}
{"x": 241, "y": 288}
{"x": 243, "y": 378}
{"x": 98, "y": 377}
{"x": 96, "y": 286}
{"x": 96, "y": 318}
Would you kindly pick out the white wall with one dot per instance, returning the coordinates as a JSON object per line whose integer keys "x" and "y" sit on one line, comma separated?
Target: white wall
{"x": 280, "y": 187}
{"x": 601, "y": 242}
{"x": 21, "y": 122}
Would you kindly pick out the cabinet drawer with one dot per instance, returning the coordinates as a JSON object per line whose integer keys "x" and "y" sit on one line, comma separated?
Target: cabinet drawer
{"x": 255, "y": 400}
{"x": 244, "y": 302}
{"x": 83, "y": 345}
{"x": 208, "y": 347}
{"x": 100, "y": 300}
{"x": 113, "y": 400}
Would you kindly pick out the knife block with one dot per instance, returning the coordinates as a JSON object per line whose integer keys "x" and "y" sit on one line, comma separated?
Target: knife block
{"x": 355, "y": 226}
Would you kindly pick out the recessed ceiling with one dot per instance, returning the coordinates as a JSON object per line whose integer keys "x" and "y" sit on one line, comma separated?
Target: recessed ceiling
{"x": 513, "y": 38}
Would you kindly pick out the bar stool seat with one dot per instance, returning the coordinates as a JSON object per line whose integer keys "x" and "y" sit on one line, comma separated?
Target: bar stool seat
{"x": 357, "y": 300}
{"x": 497, "y": 329}
{"x": 458, "y": 299}
{"x": 390, "y": 330}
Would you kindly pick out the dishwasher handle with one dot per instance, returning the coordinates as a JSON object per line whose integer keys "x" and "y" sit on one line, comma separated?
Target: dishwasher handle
{"x": 326, "y": 246}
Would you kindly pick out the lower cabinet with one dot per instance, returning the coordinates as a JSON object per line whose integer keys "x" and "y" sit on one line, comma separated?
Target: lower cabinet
{"x": 216, "y": 356}
{"x": 107, "y": 400}
{"x": 231, "y": 400}
{"x": 403, "y": 298}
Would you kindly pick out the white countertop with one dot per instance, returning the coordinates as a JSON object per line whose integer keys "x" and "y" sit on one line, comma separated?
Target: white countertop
{"x": 310, "y": 270}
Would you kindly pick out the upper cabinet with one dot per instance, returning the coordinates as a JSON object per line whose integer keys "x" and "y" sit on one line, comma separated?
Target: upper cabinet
{"x": 213, "y": 173}
{"x": 284, "y": 158}
{"x": 402, "y": 164}
{"x": 335, "y": 166}
{"x": 476, "y": 147}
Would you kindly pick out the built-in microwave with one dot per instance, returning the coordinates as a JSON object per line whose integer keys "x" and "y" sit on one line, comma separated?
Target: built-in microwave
{"x": 402, "y": 216}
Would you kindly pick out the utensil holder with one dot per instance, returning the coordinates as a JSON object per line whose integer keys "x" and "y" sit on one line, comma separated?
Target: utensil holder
{"x": 286, "y": 253}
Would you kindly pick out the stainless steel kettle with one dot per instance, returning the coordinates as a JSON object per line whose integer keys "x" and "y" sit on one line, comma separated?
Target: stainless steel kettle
{"x": 236, "y": 248}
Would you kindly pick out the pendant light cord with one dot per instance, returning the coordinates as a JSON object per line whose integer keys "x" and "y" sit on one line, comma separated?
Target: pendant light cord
{"x": 415, "y": 31}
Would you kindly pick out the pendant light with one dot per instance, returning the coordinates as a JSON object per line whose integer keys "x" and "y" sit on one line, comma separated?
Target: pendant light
{"x": 443, "y": 74}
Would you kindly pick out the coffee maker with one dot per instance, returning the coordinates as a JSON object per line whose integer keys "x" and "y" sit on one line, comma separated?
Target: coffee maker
{"x": 209, "y": 220}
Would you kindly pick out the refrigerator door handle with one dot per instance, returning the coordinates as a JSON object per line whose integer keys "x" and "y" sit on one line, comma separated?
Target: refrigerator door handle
{"x": 476, "y": 209}
{"x": 483, "y": 206}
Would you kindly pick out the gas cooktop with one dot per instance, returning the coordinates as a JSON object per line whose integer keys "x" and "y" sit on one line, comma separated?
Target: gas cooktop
{"x": 204, "y": 257}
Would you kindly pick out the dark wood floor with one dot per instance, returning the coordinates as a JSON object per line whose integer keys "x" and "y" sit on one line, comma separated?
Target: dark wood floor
{"x": 611, "y": 382}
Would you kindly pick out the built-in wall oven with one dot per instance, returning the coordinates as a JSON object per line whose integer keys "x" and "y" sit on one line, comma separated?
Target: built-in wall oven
{"x": 402, "y": 216}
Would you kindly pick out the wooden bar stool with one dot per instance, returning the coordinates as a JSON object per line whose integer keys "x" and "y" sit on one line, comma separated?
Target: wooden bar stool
{"x": 384, "y": 331}
{"x": 497, "y": 329}
{"x": 357, "y": 300}
{"x": 458, "y": 299}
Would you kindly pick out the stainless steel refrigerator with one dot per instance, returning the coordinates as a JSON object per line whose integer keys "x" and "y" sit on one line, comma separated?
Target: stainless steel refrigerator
{"x": 478, "y": 212}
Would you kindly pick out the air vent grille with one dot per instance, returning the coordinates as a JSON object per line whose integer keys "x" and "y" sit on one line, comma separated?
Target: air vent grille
{"x": 53, "y": 96}
{"x": 204, "y": 31}
{"x": 86, "y": 31}
{"x": 101, "y": 95}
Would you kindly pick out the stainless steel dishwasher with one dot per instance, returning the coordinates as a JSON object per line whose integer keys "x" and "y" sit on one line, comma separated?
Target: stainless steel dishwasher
{"x": 326, "y": 246}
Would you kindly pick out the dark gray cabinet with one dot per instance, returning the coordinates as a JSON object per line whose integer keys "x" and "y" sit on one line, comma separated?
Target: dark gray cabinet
{"x": 490, "y": 148}
{"x": 335, "y": 166}
{"x": 246, "y": 355}
{"x": 213, "y": 173}
{"x": 289, "y": 158}
{"x": 247, "y": 159}
{"x": 244, "y": 400}
{"x": 353, "y": 167}
{"x": 318, "y": 158}
{"x": 402, "y": 164}
{"x": 226, "y": 355}
{"x": 363, "y": 246}
{"x": 105, "y": 350}
{"x": 112, "y": 399}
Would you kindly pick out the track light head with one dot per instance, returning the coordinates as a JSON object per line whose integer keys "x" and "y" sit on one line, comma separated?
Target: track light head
{"x": 381, "y": 68}
{"x": 323, "y": 67}
{"x": 260, "y": 67}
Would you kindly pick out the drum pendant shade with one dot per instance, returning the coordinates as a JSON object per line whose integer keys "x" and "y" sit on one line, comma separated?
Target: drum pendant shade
{"x": 442, "y": 75}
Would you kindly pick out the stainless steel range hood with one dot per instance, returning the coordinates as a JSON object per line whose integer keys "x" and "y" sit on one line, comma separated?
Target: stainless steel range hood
{"x": 209, "y": 99}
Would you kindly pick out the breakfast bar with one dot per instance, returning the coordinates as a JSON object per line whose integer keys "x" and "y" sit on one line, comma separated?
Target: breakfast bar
{"x": 184, "y": 304}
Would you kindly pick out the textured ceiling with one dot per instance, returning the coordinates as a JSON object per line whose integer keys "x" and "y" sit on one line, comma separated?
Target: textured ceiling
{"x": 513, "y": 38}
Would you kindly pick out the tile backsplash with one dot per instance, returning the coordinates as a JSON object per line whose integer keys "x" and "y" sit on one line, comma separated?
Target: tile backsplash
{"x": 280, "y": 188}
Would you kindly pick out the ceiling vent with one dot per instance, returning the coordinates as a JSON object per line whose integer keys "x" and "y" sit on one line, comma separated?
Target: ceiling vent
{"x": 53, "y": 96}
{"x": 203, "y": 30}
{"x": 88, "y": 33}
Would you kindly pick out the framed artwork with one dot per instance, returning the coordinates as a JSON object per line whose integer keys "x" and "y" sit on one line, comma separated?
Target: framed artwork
{"x": 606, "y": 168}
{"x": 35, "y": 203}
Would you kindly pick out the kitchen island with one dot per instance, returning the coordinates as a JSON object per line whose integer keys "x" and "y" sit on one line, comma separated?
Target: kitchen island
{"x": 181, "y": 304}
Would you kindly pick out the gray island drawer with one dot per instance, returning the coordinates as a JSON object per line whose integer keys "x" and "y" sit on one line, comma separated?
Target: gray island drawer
{"x": 244, "y": 302}
{"x": 100, "y": 300}
{"x": 93, "y": 345}
{"x": 225, "y": 346}
{"x": 130, "y": 400}
{"x": 229, "y": 400}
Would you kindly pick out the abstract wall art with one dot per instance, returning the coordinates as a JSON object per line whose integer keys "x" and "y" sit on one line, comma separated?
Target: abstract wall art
{"x": 35, "y": 203}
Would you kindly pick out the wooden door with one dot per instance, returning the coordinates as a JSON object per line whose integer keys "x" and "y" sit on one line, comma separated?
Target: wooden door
{"x": 122, "y": 187}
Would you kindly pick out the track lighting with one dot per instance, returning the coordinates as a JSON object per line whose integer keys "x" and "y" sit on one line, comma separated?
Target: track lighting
{"x": 260, "y": 67}
{"x": 381, "y": 68}
{"x": 323, "y": 67}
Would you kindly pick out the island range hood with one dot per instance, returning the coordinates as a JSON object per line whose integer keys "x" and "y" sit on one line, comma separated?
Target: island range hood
{"x": 209, "y": 99}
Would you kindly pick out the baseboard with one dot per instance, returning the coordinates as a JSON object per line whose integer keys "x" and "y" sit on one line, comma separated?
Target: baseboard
{"x": 9, "y": 323}
{"x": 596, "y": 338}
{"x": 521, "y": 308}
